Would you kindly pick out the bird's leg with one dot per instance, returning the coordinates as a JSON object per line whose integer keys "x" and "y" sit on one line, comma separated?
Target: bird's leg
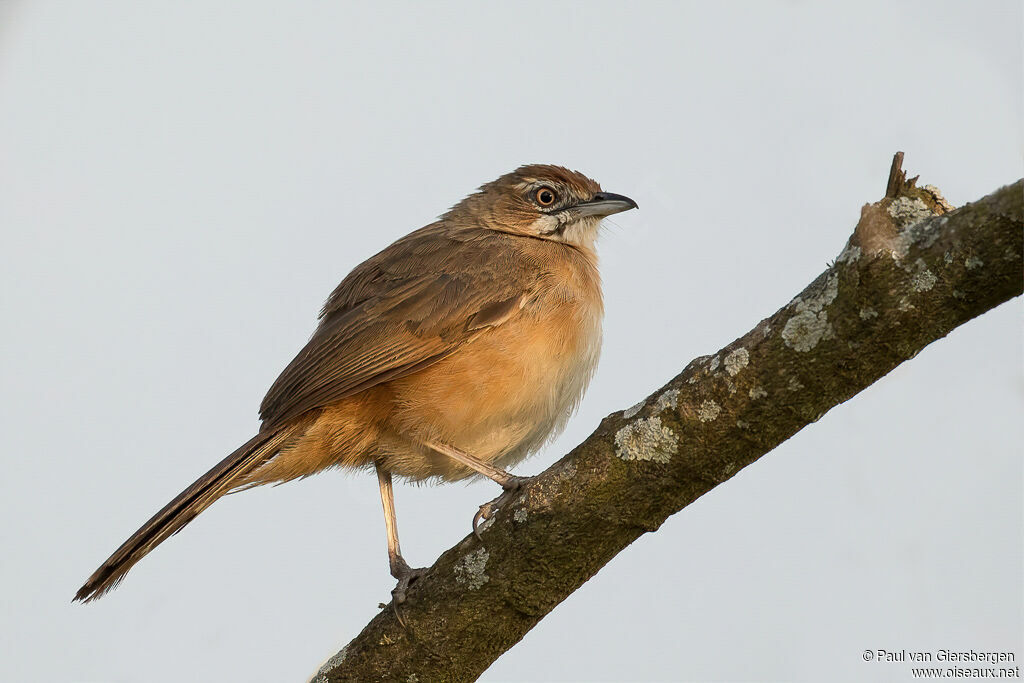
{"x": 400, "y": 569}
{"x": 509, "y": 482}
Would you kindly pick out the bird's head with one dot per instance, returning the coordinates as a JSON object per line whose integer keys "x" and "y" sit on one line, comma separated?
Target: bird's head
{"x": 547, "y": 202}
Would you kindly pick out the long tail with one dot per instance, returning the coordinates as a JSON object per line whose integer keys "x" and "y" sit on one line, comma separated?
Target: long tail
{"x": 228, "y": 474}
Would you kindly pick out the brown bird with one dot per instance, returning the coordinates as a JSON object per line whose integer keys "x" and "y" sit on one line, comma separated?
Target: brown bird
{"x": 456, "y": 351}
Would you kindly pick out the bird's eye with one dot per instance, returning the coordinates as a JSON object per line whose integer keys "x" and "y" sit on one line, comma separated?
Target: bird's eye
{"x": 545, "y": 196}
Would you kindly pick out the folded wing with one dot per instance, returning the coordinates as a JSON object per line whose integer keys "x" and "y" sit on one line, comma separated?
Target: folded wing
{"x": 406, "y": 308}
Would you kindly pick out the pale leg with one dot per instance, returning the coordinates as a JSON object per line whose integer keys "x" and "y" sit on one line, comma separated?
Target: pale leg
{"x": 399, "y": 567}
{"x": 509, "y": 482}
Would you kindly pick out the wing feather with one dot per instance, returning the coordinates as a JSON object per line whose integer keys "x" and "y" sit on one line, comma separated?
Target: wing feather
{"x": 404, "y": 309}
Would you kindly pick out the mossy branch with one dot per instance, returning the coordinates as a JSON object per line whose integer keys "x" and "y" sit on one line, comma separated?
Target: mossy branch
{"x": 913, "y": 270}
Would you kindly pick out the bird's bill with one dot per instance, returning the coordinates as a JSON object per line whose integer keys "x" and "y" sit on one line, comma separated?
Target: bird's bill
{"x": 605, "y": 204}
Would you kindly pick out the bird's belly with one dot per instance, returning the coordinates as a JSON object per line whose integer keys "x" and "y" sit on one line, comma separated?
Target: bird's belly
{"x": 499, "y": 398}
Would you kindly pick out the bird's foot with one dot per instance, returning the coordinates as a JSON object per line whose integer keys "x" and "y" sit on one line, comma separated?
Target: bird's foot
{"x": 487, "y": 510}
{"x": 405, "y": 574}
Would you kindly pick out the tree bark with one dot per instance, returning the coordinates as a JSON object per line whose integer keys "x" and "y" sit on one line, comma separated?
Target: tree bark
{"x": 913, "y": 270}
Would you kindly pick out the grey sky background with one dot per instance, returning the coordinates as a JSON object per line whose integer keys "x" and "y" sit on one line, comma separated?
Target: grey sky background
{"x": 182, "y": 184}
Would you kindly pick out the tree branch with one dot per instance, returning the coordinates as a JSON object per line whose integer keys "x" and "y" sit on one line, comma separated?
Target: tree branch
{"x": 913, "y": 270}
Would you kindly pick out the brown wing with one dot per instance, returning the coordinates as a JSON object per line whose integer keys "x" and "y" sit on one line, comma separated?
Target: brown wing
{"x": 404, "y": 309}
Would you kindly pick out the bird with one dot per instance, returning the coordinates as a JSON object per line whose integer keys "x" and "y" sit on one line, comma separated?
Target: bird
{"x": 455, "y": 352}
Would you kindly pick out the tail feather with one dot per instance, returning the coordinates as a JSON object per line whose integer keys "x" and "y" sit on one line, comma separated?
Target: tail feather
{"x": 225, "y": 476}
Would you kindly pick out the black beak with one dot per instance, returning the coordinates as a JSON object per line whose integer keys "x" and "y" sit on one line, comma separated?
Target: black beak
{"x": 605, "y": 204}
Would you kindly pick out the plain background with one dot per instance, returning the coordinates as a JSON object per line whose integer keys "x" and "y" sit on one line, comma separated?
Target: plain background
{"x": 184, "y": 183}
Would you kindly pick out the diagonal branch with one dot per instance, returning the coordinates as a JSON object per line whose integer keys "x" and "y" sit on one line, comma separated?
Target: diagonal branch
{"x": 913, "y": 271}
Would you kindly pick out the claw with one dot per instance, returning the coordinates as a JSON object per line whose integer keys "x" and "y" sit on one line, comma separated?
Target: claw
{"x": 404, "y": 581}
{"x": 406, "y": 575}
{"x": 487, "y": 510}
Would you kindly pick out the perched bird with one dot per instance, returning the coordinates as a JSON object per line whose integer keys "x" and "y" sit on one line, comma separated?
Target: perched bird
{"x": 456, "y": 351}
